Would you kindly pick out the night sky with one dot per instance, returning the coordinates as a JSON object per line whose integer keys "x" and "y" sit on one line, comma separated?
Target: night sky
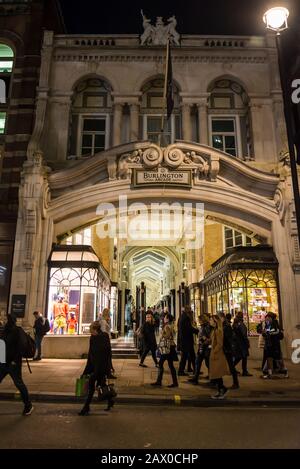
{"x": 193, "y": 16}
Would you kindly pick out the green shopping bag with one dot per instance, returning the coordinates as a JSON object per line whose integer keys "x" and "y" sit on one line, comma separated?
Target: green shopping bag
{"x": 82, "y": 386}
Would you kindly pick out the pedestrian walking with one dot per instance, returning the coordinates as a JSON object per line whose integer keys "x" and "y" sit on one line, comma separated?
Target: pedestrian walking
{"x": 13, "y": 365}
{"x": 167, "y": 349}
{"x": 105, "y": 325}
{"x": 148, "y": 340}
{"x": 41, "y": 327}
{"x": 228, "y": 349}
{"x": 98, "y": 365}
{"x": 241, "y": 343}
{"x": 186, "y": 332}
{"x": 218, "y": 365}
{"x": 272, "y": 350}
{"x": 204, "y": 347}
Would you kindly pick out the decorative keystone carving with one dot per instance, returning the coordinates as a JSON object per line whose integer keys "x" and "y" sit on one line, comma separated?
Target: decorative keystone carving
{"x": 203, "y": 165}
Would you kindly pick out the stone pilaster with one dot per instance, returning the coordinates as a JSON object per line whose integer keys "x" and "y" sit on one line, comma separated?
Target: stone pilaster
{"x": 134, "y": 122}
{"x": 186, "y": 122}
{"x": 203, "y": 121}
{"x": 118, "y": 110}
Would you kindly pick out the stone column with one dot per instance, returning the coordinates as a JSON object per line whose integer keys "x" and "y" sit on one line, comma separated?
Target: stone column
{"x": 186, "y": 122}
{"x": 118, "y": 109}
{"x": 134, "y": 122}
{"x": 203, "y": 122}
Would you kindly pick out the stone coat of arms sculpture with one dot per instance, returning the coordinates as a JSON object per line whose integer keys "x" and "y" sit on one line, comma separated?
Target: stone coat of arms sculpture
{"x": 159, "y": 34}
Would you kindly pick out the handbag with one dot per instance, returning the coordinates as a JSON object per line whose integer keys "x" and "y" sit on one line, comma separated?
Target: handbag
{"x": 106, "y": 392}
{"x": 82, "y": 386}
{"x": 164, "y": 347}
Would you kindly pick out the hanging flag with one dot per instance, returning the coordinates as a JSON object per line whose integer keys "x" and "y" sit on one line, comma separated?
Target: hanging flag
{"x": 168, "y": 101}
{"x": 169, "y": 84}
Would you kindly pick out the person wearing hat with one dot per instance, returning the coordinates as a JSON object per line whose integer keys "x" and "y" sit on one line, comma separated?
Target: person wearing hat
{"x": 13, "y": 361}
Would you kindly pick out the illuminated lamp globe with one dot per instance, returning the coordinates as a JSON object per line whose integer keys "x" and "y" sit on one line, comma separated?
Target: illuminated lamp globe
{"x": 276, "y": 19}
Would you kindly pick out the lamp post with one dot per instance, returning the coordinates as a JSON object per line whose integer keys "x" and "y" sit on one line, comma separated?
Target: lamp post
{"x": 276, "y": 19}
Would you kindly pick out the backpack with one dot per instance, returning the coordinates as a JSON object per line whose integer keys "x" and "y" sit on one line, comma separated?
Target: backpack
{"x": 46, "y": 326}
{"x": 27, "y": 345}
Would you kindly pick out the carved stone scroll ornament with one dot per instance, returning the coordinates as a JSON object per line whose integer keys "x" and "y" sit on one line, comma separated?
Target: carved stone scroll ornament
{"x": 173, "y": 157}
{"x": 204, "y": 165}
{"x": 153, "y": 156}
{"x": 280, "y": 203}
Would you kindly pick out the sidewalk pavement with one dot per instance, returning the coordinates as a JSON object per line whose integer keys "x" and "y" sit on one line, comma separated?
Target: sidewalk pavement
{"x": 53, "y": 380}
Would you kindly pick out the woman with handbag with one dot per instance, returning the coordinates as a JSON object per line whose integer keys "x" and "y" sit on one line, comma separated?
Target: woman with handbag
{"x": 98, "y": 364}
{"x": 167, "y": 352}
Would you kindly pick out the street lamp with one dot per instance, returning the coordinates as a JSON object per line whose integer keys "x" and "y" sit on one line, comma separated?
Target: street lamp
{"x": 276, "y": 19}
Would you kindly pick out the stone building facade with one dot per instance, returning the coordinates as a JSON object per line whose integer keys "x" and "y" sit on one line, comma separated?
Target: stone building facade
{"x": 97, "y": 126}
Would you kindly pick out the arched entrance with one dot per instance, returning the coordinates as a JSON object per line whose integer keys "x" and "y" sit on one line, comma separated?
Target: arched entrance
{"x": 116, "y": 188}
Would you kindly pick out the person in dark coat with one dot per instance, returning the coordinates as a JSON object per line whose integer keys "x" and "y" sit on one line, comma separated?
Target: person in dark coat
{"x": 13, "y": 361}
{"x": 241, "y": 343}
{"x": 272, "y": 350}
{"x": 39, "y": 334}
{"x": 203, "y": 347}
{"x": 186, "y": 332}
{"x": 148, "y": 340}
{"x": 228, "y": 349}
{"x": 167, "y": 338}
{"x": 98, "y": 364}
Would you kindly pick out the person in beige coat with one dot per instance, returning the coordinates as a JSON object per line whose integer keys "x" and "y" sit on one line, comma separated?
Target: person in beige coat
{"x": 218, "y": 366}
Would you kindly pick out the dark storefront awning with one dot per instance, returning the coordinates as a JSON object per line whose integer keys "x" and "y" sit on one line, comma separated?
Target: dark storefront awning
{"x": 260, "y": 257}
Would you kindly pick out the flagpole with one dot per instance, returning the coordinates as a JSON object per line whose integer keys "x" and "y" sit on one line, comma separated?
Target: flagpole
{"x": 164, "y": 95}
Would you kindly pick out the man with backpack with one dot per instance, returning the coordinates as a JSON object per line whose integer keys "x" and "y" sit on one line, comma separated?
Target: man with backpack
{"x": 41, "y": 327}
{"x": 13, "y": 337}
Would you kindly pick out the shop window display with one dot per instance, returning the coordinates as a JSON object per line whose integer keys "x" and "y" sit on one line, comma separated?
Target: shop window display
{"x": 234, "y": 284}
{"x": 77, "y": 289}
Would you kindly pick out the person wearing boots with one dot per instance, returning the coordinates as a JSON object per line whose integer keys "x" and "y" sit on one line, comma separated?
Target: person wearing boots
{"x": 13, "y": 361}
{"x": 98, "y": 364}
{"x": 148, "y": 340}
{"x": 203, "y": 347}
{"x": 167, "y": 337}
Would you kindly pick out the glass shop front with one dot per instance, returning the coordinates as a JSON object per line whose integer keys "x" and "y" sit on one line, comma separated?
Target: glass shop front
{"x": 244, "y": 279}
{"x": 78, "y": 289}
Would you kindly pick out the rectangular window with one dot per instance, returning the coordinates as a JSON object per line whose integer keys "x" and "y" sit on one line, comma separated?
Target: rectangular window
{"x": 224, "y": 136}
{"x": 154, "y": 130}
{"x": 6, "y": 66}
{"x": 235, "y": 238}
{"x": 93, "y": 136}
{"x": 2, "y": 122}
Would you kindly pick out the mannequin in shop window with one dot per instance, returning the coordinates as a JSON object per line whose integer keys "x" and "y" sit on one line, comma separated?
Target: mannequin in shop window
{"x": 60, "y": 315}
{"x": 72, "y": 324}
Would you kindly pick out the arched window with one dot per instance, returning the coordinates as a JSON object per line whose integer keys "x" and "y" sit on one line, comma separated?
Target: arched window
{"x": 90, "y": 118}
{"x": 229, "y": 118}
{"x": 6, "y": 67}
{"x": 152, "y": 109}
